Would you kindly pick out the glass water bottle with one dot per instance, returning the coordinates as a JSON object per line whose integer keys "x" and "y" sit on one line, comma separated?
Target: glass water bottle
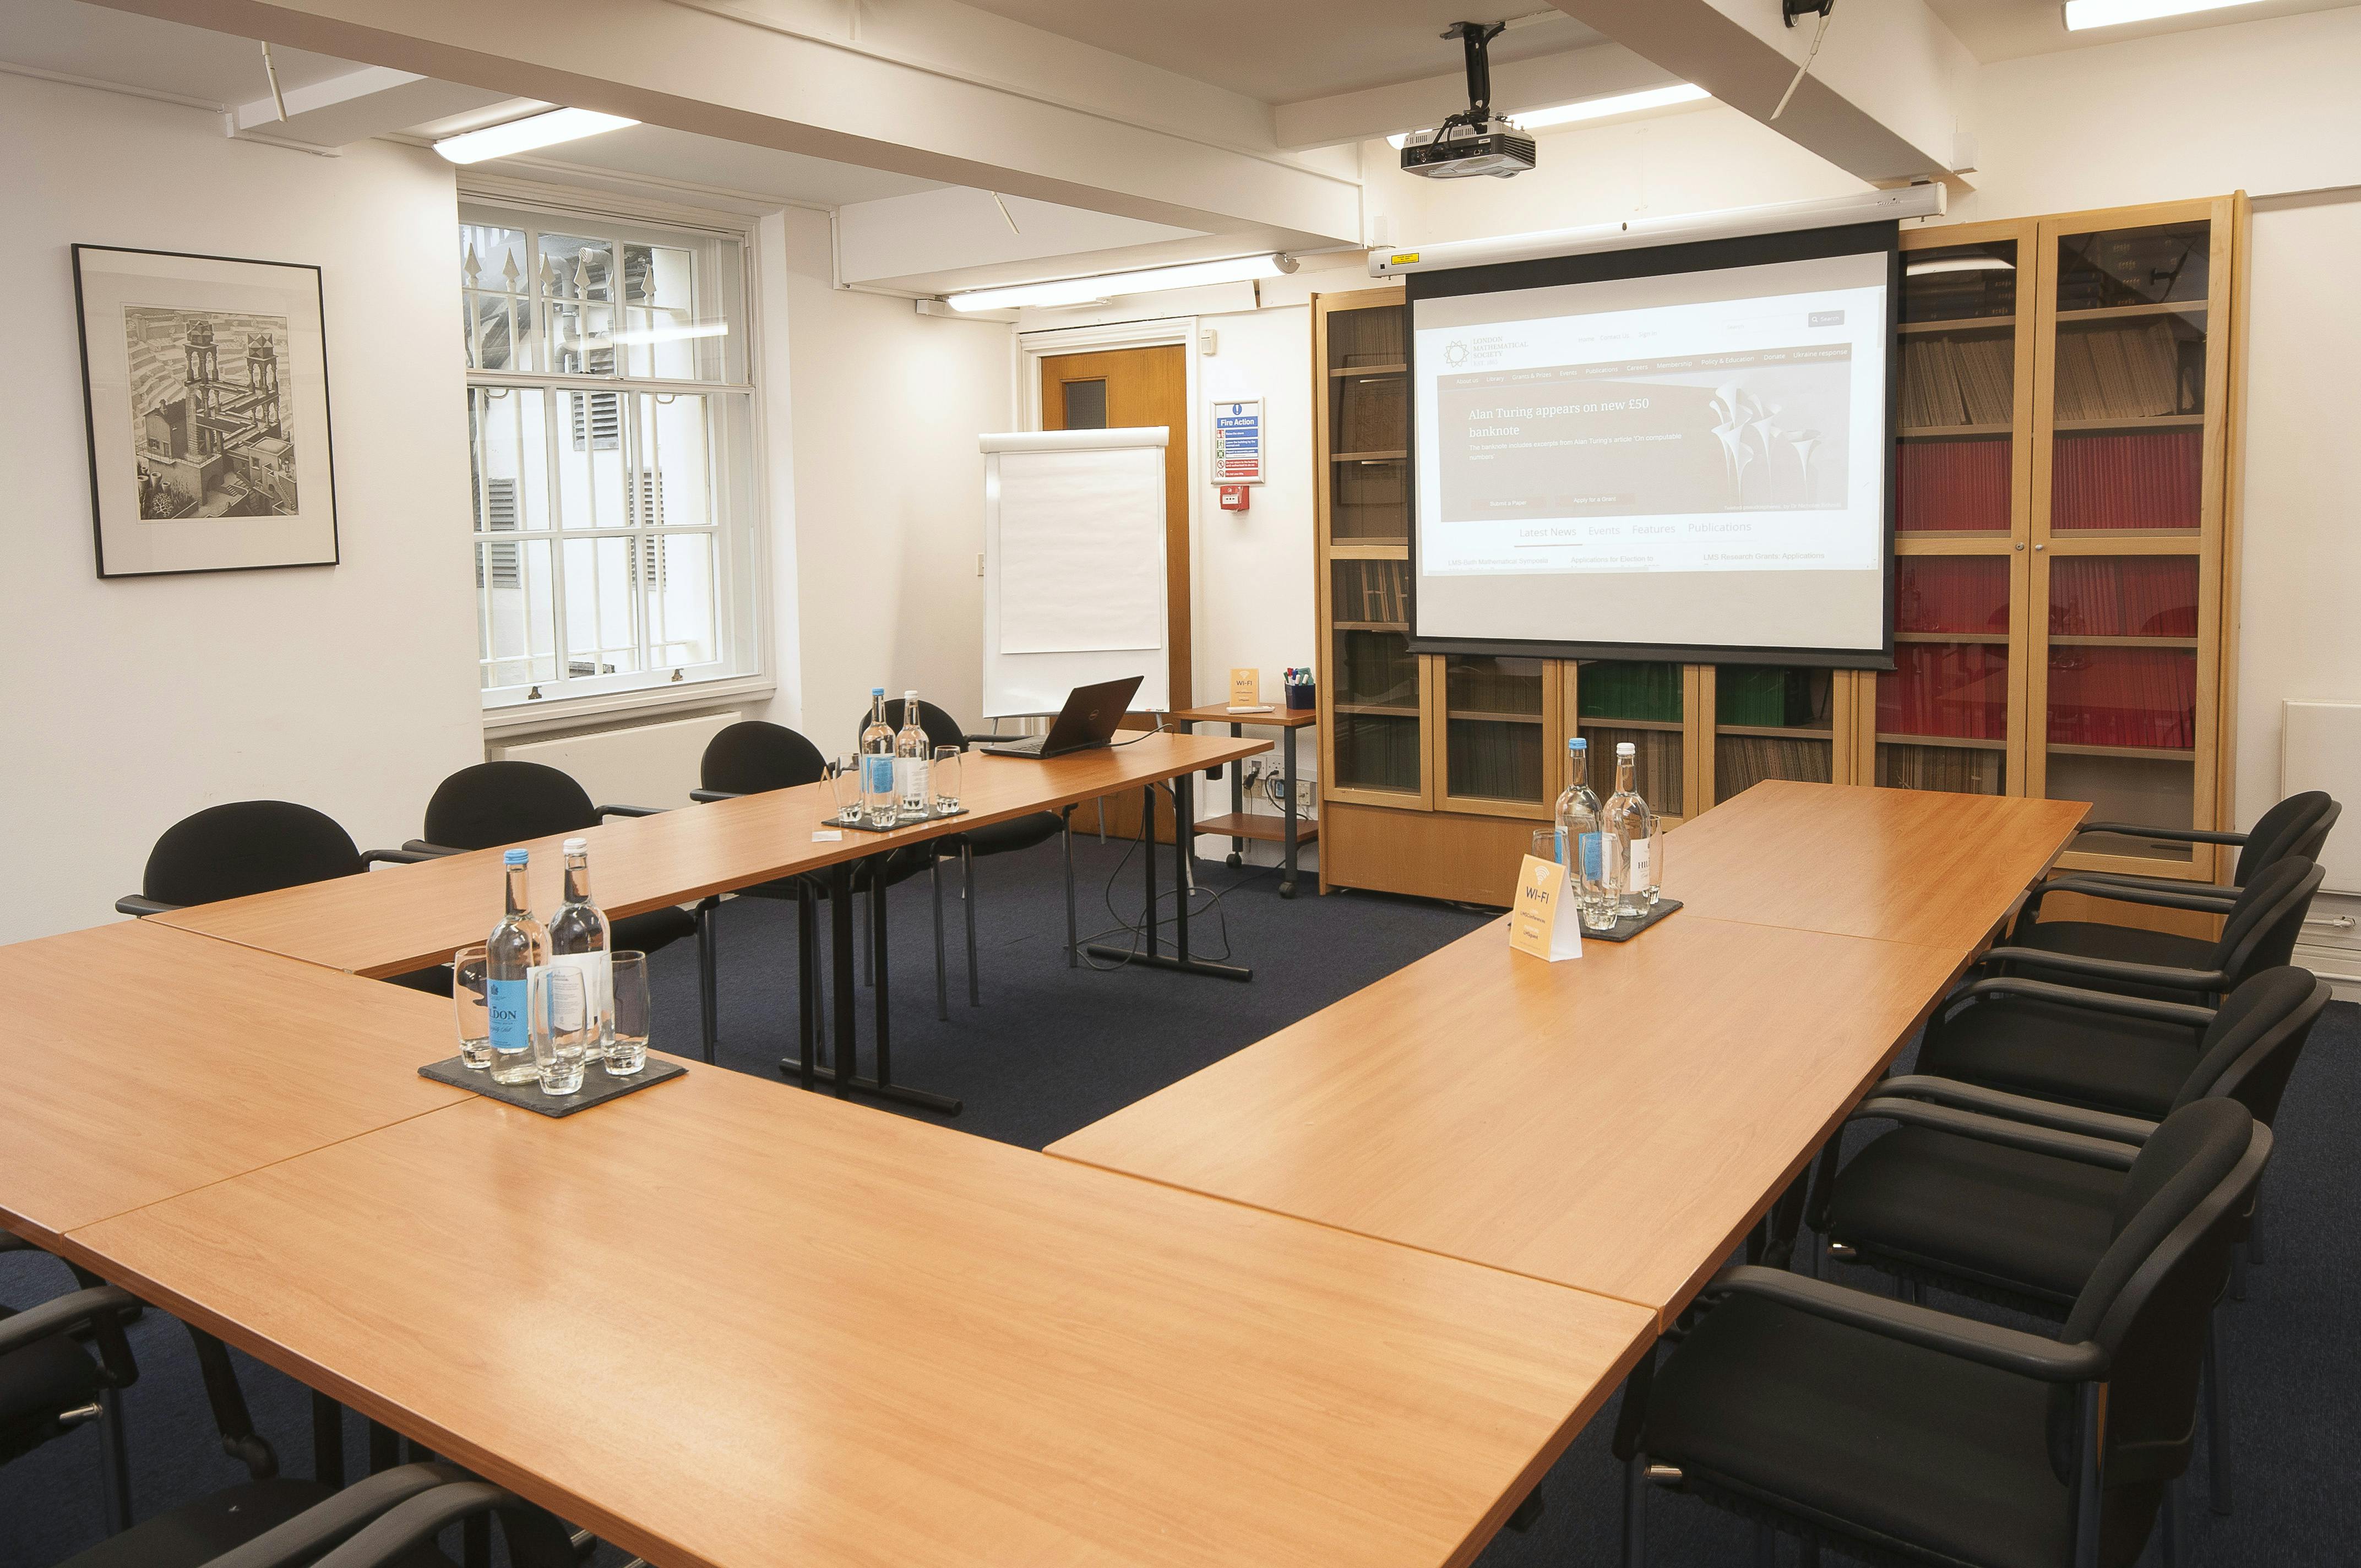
{"x": 514, "y": 954}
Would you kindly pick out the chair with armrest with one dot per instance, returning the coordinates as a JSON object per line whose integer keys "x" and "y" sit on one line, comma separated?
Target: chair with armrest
{"x": 1003, "y": 838}
{"x": 752, "y": 757}
{"x": 489, "y": 805}
{"x": 388, "y": 1520}
{"x": 2295, "y": 828}
{"x": 2259, "y": 932}
{"x": 1899, "y": 1434}
{"x": 64, "y": 1363}
{"x": 259, "y": 845}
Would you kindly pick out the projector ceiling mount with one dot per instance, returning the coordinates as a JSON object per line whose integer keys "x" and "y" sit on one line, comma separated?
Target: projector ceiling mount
{"x": 1473, "y": 141}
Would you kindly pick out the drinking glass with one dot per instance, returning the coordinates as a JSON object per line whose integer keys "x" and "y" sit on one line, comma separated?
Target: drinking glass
{"x": 844, "y": 786}
{"x": 947, "y": 779}
{"x": 627, "y": 1053}
{"x": 1544, "y": 844}
{"x": 469, "y": 975}
{"x": 564, "y": 1026}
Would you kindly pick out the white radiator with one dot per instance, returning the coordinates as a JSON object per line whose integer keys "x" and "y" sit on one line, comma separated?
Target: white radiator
{"x": 640, "y": 764}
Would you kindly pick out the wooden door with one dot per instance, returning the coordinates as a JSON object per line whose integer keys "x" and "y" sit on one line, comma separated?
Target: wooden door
{"x": 1131, "y": 389}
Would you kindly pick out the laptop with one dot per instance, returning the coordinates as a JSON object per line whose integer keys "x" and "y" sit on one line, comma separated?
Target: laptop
{"x": 1087, "y": 721}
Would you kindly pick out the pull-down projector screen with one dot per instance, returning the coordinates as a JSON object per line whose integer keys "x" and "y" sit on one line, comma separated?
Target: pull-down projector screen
{"x": 1680, "y": 452}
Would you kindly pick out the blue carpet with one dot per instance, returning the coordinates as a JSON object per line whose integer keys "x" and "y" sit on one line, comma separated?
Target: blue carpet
{"x": 1053, "y": 1049}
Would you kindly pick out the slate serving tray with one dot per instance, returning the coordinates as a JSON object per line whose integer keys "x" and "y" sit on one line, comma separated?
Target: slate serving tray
{"x": 598, "y": 1085}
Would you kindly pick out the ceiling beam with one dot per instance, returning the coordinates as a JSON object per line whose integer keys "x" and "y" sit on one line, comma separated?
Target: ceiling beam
{"x": 733, "y": 72}
{"x": 1888, "y": 101}
{"x": 1540, "y": 83}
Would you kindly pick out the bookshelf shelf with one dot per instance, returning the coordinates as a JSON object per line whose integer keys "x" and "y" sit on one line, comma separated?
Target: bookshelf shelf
{"x": 1954, "y": 742}
{"x": 1615, "y": 721}
{"x": 2066, "y": 314}
{"x": 1371, "y": 370}
{"x": 1376, "y": 710}
{"x": 1964, "y": 639}
{"x": 2146, "y": 754}
{"x": 1403, "y": 627}
{"x": 2058, "y": 639}
{"x": 1952, "y": 432}
{"x": 2134, "y": 421}
{"x": 1963, "y": 323}
{"x": 1393, "y": 457}
{"x": 1369, "y": 550}
{"x": 1775, "y": 732}
{"x": 1473, "y": 716}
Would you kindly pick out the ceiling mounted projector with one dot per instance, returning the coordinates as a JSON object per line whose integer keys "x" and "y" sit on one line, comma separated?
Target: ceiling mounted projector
{"x": 1474, "y": 141}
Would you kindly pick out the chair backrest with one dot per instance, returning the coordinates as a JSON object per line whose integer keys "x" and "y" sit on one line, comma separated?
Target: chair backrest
{"x": 941, "y": 728}
{"x": 247, "y": 845}
{"x": 2252, "y": 1046}
{"x": 753, "y": 756}
{"x": 492, "y": 803}
{"x": 2147, "y": 1303}
{"x": 2296, "y": 826}
{"x": 2261, "y": 928}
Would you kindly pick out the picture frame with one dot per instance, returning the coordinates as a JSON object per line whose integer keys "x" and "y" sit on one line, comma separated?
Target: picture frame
{"x": 205, "y": 403}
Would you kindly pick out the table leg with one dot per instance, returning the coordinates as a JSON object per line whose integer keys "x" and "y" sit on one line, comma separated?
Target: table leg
{"x": 1287, "y": 812}
{"x": 1238, "y": 796}
{"x": 844, "y": 1072}
{"x": 1184, "y": 825}
{"x": 327, "y": 1440}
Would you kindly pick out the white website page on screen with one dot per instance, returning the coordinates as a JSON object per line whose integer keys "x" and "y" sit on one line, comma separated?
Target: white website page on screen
{"x": 1697, "y": 459}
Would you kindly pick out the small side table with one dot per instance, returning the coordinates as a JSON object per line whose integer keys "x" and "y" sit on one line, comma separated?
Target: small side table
{"x": 1287, "y": 829}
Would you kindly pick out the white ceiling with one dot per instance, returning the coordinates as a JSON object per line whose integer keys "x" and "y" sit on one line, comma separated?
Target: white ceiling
{"x": 1284, "y": 51}
{"x": 130, "y": 50}
{"x": 2005, "y": 30}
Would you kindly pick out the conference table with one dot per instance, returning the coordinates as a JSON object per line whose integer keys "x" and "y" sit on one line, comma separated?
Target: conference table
{"x": 1340, "y": 1298}
{"x": 404, "y": 918}
{"x": 1617, "y": 1123}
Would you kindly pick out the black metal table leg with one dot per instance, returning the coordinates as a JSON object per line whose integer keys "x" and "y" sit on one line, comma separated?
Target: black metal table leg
{"x": 1184, "y": 822}
{"x": 1287, "y": 812}
{"x": 327, "y": 1440}
{"x": 1238, "y": 795}
{"x": 843, "y": 1071}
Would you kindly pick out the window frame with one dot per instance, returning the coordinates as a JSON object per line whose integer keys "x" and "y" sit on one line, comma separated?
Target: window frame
{"x": 736, "y": 483}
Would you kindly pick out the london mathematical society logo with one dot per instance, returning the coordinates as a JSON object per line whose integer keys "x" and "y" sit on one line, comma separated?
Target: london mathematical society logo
{"x": 210, "y": 434}
{"x": 1454, "y": 353}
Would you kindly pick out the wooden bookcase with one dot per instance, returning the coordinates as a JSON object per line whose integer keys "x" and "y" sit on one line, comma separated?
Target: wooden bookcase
{"x": 2064, "y": 530}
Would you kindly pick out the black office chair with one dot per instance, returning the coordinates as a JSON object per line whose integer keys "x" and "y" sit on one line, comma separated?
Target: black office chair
{"x": 2294, "y": 829}
{"x": 1897, "y": 1434}
{"x": 991, "y": 838}
{"x": 388, "y": 1520}
{"x": 259, "y": 845}
{"x": 64, "y": 1363}
{"x": 490, "y": 804}
{"x": 2259, "y": 932}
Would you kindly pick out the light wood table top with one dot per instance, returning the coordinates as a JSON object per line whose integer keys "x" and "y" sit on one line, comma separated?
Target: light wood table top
{"x": 402, "y": 918}
{"x": 724, "y": 1322}
{"x": 139, "y": 1063}
{"x": 1898, "y": 864}
{"x": 1614, "y": 1123}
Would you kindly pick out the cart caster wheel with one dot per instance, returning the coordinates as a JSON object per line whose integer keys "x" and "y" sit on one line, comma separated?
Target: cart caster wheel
{"x": 1286, "y": 890}
{"x": 1234, "y": 859}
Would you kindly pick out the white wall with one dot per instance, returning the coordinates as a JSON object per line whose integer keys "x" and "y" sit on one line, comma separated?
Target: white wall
{"x": 888, "y": 492}
{"x": 351, "y": 689}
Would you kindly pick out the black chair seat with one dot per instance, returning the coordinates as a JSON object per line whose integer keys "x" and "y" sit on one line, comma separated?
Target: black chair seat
{"x": 36, "y": 1383}
{"x": 652, "y": 930}
{"x": 2126, "y": 944}
{"x": 2100, "y": 1061}
{"x": 1770, "y": 1405}
{"x": 1014, "y": 833}
{"x": 2025, "y": 1223}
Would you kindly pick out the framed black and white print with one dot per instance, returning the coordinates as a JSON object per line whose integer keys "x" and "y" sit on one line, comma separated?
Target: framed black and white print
{"x": 205, "y": 388}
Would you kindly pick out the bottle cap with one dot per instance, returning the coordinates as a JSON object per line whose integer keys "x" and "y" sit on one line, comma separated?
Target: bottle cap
{"x": 517, "y": 857}
{"x": 876, "y": 691}
{"x": 1576, "y": 743}
{"x": 577, "y": 846}
{"x": 910, "y": 697}
{"x": 1625, "y": 749}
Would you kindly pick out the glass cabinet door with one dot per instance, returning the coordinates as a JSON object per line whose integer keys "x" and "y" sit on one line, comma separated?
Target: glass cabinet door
{"x": 1954, "y": 462}
{"x": 1497, "y": 720}
{"x": 1773, "y": 721}
{"x": 2127, "y": 530}
{"x": 1645, "y": 704}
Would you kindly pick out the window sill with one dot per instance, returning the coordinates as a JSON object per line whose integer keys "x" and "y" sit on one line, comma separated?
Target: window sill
{"x": 513, "y": 719}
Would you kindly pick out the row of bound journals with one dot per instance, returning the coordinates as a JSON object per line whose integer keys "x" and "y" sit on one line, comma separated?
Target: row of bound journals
{"x": 1947, "y": 381}
{"x": 1656, "y": 753}
{"x": 2148, "y": 478}
{"x": 2124, "y": 696}
{"x": 1959, "y": 770}
{"x": 2090, "y": 596}
{"x": 1741, "y": 762}
{"x": 2114, "y": 371}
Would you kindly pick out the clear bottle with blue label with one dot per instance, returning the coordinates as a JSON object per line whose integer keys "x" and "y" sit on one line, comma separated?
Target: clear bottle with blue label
{"x": 878, "y": 800}
{"x": 514, "y": 953}
{"x": 1581, "y": 847}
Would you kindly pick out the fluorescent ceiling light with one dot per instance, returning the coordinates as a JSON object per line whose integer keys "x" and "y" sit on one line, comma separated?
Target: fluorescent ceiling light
{"x": 2084, "y": 14}
{"x": 532, "y": 131}
{"x": 1960, "y": 264}
{"x": 1597, "y": 109}
{"x": 1107, "y": 285}
{"x": 670, "y": 334}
